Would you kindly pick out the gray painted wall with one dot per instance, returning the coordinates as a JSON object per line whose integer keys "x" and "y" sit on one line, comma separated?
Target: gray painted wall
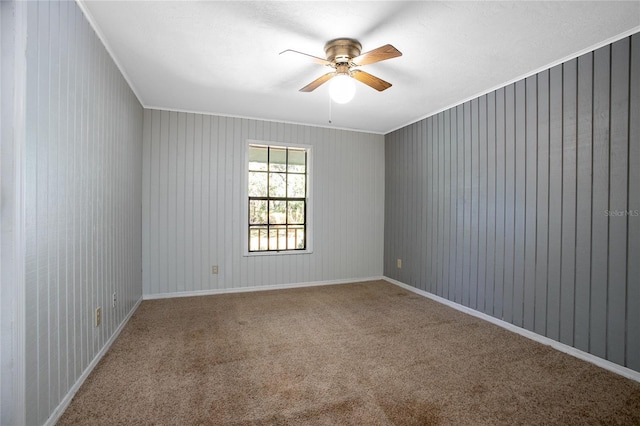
{"x": 83, "y": 157}
{"x": 192, "y": 204}
{"x": 500, "y": 204}
{"x": 9, "y": 382}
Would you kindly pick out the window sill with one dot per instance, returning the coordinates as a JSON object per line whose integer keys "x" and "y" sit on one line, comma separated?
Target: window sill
{"x": 276, "y": 253}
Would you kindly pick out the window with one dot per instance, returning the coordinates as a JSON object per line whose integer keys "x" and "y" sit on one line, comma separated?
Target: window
{"x": 278, "y": 198}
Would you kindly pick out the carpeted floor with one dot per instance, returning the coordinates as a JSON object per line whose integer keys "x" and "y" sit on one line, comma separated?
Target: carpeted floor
{"x": 363, "y": 353}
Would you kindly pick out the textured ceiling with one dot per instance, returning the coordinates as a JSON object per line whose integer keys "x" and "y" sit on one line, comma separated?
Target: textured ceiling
{"x": 222, "y": 57}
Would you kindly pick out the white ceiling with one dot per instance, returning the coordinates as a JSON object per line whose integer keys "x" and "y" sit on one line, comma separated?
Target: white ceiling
{"x": 222, "y": 57}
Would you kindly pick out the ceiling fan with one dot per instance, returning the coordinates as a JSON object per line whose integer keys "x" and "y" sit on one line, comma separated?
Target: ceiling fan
{"x": 343, "y": 55}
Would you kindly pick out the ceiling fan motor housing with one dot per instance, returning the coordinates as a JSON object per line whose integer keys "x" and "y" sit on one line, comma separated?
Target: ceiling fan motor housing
{"x": 342, "y": 50}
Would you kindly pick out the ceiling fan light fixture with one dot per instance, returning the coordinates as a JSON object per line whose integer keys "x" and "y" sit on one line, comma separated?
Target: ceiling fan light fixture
{"x": 342, "y": 88}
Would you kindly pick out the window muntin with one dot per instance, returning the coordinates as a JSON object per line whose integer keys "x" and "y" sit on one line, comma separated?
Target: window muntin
{"x": 277, "y": 198}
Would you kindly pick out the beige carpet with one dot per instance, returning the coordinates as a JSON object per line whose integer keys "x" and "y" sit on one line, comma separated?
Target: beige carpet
{"x": 363, "y": 353}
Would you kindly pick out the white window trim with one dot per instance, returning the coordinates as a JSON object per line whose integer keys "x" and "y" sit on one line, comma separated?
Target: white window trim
{"x": 245, "y": 197}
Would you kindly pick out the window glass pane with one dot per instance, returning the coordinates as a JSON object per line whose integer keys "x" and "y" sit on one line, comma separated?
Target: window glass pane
{"x": 277, "y": 238}
{"x": 277, "y": 184}
{"x": 258, "y": 212}
{"x": 257, "y": 238}
{"x": 297, "y": 160}
{"x": 295, "y": 212}
{"x": 264, "y": 239}
{"x": 257, "y": 184}
{"x": 277, "y": 212}
{"x": 295, "y": 237}
{"x": 282, "y": 238}
{"x": 278, "y": 159}
{"x": 258, "y": 158}
{"x": 296, "y": 186}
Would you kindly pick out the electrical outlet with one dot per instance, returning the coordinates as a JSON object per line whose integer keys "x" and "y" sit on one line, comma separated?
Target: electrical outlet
{"x": 214, "y": 269}
{"x": 399, "y": 263}
{"x": 113, "y": 300}
{"x": 98, "y": 316}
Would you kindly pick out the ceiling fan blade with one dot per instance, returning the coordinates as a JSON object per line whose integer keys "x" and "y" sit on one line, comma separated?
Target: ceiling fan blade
{"x": 376, "y": 55}
{"x": 313, "y": 58}
{"x": 317, "y": 82}
{"x": 370, "y": 80}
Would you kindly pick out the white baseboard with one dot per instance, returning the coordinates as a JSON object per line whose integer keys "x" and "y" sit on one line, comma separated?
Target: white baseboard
{"x": 570, "y": 350}
{"x": 255, "y": 288}
{"x": 57, "y": 413}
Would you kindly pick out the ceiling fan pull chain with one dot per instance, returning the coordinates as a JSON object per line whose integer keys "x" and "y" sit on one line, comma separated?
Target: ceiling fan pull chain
{"x": 330, "y": 110}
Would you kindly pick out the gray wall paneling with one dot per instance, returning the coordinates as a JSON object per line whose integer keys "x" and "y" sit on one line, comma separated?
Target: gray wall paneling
{"x": 500, "y": 217}
{"x": 567, "y": 270}
{"x": 529, "y": 206}
{"x": 633, "y": 230}
{"x": 483, "y": 200}
{"x": 510, "y": 202}
{"x": 600, "y": 202}
{"x": 491, "y": 203}
{"x": 542, "y": 205}
{"x": 555, "y": 203}
{"x": 83, "y": 152}
{"x": 192, "y": 206}
{"x": 531, "y": 199}
{"x": 520, "y": 206}
{"x": 583, "y": 202}
{"x": 618, "y": 195}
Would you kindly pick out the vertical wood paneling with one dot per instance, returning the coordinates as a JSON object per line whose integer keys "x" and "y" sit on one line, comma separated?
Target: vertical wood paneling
{"x": 439, "y": 140}
{"x": 181, "y": 190}
{"x": 195, "y": 238}
{"x": 431, "y": 220}
{"x": 482, "y": 203}
{"x": 196, "y": 164}
{"x": 492, "y": 206}
{"x": 583, "y": 201}
{"x": 171, "y": 202}
{"x": 555, "y": 203}
{"x": 618, "y": 187}
{"x": 510, "y": 203}
{"x": 460, "y": 219}
{"x": 531, "y": 192}
{"x": 500, "y": 269}
{"x": 539, "y": 305}
{"x": 520, "y": 203}
{"x": 83, "y": 188}
{"x": 567, "y": 286}
{"x": 446, "y": 207}
{"x": 633, "y": 232}
{"x": 530, "y": 195}
{"x": 420, "y": 218}
{"x": 475, "y": 209}
{"x": 453, "y": 216}
{"x": 600, "y": 202}
{"x": 467, "y": 209}
{"x": 421, "y": 208}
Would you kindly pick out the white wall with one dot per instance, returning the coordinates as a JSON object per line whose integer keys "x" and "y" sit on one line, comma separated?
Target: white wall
{"x": 83, "y": 156}
{"x": 192, "y": 204}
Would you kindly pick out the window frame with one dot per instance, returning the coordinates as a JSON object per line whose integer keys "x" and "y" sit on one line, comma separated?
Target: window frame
{"x": 308, "y": 200}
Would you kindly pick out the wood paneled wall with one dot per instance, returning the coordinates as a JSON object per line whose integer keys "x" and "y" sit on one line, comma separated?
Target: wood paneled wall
{"x": 192, "y": 204}
{"x": 524, "y": 203}
{"x": 83, "y": 175}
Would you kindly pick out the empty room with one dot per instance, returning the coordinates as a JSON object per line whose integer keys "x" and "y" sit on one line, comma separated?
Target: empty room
{"x": 279, "y": 212}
